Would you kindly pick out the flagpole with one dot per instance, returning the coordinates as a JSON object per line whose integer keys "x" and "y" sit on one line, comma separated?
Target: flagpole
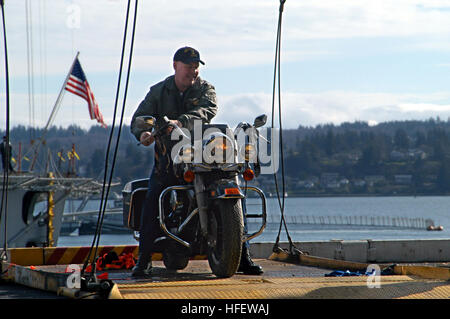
{"x": 61, "y": 93}
{"x": 54, "y": 110}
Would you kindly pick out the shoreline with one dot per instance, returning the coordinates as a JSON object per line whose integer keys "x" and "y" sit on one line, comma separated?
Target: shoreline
{"x": 359, "y": 195}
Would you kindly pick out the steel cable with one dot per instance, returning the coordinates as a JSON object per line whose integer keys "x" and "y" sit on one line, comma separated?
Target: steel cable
{"x": 4, "y": 199}
{"x": 277, "y": 84}
{"x": 103, "y": 202}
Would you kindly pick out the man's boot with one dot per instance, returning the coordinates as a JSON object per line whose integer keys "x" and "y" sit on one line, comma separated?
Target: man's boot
{"x": 143, "y": 267}
{"x": 247, "y": 266}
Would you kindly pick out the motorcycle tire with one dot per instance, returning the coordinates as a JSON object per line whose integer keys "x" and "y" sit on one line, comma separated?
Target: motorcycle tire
{"x": 226, "y": 226}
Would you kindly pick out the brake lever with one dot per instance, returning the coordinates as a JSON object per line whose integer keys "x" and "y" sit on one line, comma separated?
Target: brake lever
{"x": 176, "y": 127}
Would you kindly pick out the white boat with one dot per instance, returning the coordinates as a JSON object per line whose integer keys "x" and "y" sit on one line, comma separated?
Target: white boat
{"x": 35, "y": 207}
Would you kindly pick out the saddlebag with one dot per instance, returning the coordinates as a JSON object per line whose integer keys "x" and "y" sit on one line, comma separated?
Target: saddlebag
{"x": 133, "y": 196}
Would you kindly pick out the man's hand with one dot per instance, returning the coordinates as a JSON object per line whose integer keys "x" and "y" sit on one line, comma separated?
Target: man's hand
{"x": 173, "y": 122}
{"x": 146, "y": 138}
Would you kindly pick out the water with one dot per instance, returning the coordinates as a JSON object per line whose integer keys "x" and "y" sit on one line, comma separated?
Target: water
{"x": 436, "y": 208}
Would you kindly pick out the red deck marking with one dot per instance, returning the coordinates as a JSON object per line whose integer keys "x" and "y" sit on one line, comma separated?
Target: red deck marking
{"x": 105, "y": 250}
{"x": 81, "y": 255}
{"x": 54, "y": 258}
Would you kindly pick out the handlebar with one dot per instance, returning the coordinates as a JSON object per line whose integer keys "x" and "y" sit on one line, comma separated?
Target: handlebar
{"x": 167, "y": 124}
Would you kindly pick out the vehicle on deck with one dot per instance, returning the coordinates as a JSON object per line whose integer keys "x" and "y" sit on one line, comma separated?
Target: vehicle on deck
{"x": 204, "y": 214}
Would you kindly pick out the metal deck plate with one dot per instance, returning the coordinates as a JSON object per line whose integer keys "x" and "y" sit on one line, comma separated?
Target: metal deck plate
{"x": 280, "y": 281}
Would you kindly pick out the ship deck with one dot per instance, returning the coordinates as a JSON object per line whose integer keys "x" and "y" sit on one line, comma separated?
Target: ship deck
{"x": 285, "y": 277}
{"x": 280, "y": 280}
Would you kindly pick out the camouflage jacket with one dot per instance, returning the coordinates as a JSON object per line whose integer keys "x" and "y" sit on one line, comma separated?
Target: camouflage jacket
{"x": 164, "y": 99}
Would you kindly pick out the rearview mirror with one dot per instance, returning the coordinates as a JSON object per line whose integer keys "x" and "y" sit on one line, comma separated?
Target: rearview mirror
{"x": 145, "y": 122}
{"x": 260, "y": 120}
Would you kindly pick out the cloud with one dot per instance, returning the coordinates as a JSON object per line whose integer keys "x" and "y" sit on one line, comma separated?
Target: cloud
{"x": 239, "y": 32}
{"x": 356, "y": 18}
{"x": 232, "y": 35}
{"x": 306, "y": 109}
{"x": 310, "y": 109}
{"x": 73, "y": 110}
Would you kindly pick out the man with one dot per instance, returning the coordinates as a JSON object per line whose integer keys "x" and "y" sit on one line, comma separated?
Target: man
{"x": 183, "y": 98}
{"x": 6, "y": 152}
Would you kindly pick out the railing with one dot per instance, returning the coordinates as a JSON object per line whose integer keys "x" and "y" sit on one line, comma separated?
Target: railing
{"x": 373, "y": 221}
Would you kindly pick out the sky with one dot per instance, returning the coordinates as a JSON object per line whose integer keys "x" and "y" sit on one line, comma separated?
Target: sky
{"x": 341, "y": 60}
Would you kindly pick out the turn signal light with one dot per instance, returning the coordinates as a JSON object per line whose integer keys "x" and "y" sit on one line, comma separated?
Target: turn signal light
{"x": 248, "y": 174}
{"x": 189, "y": 176}
{"x": 250, "y": 152}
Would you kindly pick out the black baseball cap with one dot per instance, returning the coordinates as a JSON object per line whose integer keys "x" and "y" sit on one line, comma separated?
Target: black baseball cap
{"x": 187, "y": 55}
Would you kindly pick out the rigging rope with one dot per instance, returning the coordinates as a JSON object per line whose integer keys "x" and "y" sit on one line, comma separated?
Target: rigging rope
{"x": 277, "y": 84}
{"x": 43, "y": 56}
{"x": 104, "y": 197}
{"x": 4, "y": 199}
{"x": 30, "y": 66}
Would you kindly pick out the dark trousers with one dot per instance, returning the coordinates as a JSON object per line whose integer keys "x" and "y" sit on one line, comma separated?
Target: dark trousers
{"x": 150, "y": 229}
{"x": 244, "y": 211}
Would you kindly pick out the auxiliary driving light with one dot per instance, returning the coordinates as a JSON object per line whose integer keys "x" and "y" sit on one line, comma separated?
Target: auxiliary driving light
{"x": 248, "y": 174}
{"x": 189, "y": 176}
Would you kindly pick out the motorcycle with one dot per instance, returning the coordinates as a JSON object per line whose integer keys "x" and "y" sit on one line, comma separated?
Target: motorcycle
{"x": 205, "y": 213}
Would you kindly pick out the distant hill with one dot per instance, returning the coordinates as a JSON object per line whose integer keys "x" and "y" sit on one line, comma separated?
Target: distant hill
{"x": 353, "y": 152}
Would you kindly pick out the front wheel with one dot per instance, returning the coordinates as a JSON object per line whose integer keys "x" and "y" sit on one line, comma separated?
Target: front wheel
{"x": 225, "y": 229}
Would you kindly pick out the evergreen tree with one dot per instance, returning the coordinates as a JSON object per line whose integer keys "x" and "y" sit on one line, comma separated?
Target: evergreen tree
{"x": 401, "y": 139}
{"x": 443, "y": 180}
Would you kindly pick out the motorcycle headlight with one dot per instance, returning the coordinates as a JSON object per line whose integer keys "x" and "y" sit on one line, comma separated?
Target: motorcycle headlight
{"x": 218, "y": 143}
{"x": 218, "y": 148}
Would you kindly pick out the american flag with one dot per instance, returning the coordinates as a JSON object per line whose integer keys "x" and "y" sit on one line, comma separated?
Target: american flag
{"x": 77, "y": 84}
